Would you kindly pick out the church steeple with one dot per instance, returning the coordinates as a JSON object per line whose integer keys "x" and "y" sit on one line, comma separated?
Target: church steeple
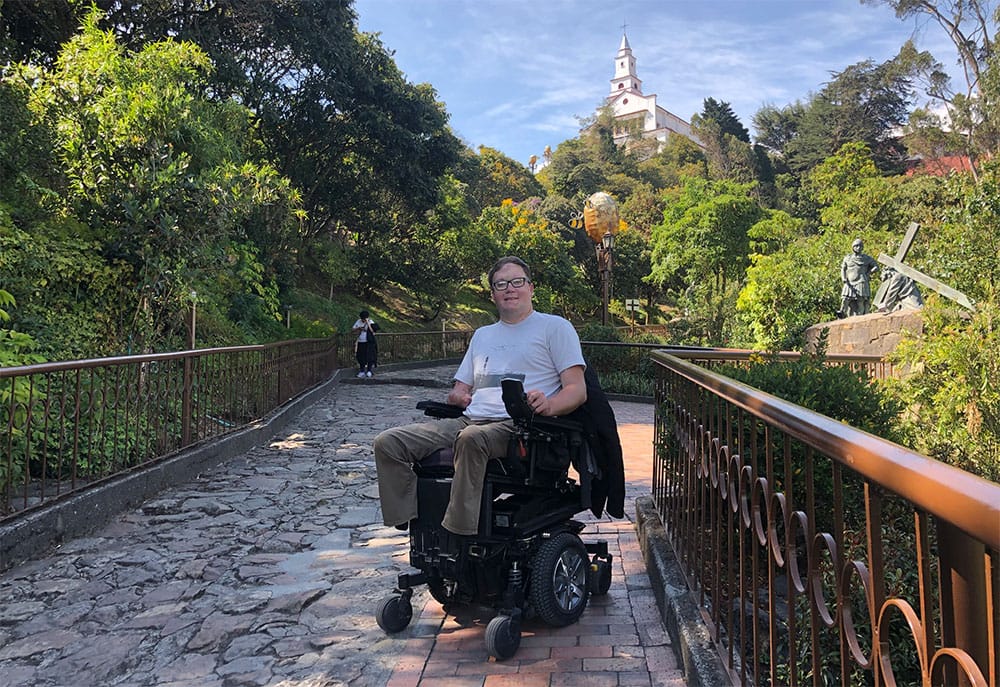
{"x": 625, "y": 78}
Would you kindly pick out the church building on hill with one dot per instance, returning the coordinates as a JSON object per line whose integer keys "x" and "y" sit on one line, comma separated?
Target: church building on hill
{"x": 637, "y": 111}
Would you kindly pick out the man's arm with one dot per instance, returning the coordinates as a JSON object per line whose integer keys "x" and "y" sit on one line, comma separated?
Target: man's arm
{"x": 460, "y": 395}
{"x": 572, "y": 395}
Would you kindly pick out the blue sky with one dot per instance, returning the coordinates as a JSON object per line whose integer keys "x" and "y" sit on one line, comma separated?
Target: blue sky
{"x": 516, "y": 75}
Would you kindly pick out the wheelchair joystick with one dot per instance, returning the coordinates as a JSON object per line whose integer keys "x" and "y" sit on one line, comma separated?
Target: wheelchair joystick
{"x": 515, "y": 400}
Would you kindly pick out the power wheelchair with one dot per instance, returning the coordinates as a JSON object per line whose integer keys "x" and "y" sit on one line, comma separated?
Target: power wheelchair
{"x": 528, "y": 558}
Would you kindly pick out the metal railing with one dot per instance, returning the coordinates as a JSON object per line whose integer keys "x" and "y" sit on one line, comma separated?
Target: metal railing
{"x": 872, "y": 366}
{"x": 67, "y": 425}
{"x": 821, "y": 554}
{"x": 799, "y": 533}
{"x": 410, "y": 346}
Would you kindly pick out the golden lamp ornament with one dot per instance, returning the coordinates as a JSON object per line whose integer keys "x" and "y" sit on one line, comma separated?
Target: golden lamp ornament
{"x": 600, "y": 216}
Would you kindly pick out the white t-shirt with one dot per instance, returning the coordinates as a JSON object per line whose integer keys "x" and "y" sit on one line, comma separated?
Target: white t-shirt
{"x": 536, "y": 350}
{"x": 363, "y": 335}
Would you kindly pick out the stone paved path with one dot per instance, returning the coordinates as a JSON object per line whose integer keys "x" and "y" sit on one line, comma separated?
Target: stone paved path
{"x": 267, "y": 569}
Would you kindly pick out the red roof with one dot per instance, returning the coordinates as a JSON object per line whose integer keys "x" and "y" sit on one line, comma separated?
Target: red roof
{"x": 940, "y": 166}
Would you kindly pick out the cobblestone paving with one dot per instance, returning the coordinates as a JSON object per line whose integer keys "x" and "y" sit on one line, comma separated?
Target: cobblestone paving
{"x": 266, "y": 571}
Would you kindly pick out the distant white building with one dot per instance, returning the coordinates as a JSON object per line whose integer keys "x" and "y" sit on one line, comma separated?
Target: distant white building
{"x": 636, "y": 110}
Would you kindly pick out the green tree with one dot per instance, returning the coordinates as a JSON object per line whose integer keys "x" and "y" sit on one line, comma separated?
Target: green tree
{"x": 722, "y": 114}
{"x": 642, "y": 209}
{"x": 443, "y": 250}
{"x": 631, "y": 266}
{"x": 169, "y": 182}
{"x": 679, "y": 157}
{"x": 951, "y": 386}
{"x": 700, "y": 249}
{"x": 865, "y": 103}
{"x": 728, "y": 149}
{"x": 854, "y": 199}
{"x": 496, "y": 177}
{"x": 963, "y": 250}
{"x": 971, "y": 25}
{"x": 792, "y": 283}
{"x": 777, "y": 127}
{"x": 364, "y": 147}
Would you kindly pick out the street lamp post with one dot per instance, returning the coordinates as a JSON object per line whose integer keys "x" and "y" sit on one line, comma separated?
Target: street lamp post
{"x": 604, "y": 251}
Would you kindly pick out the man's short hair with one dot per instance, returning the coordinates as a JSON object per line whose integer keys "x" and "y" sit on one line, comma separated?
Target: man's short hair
{"x": 508, "y": 260}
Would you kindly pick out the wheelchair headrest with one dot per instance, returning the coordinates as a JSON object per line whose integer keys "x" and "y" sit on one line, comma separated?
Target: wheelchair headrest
{"x": 514, "y": 399}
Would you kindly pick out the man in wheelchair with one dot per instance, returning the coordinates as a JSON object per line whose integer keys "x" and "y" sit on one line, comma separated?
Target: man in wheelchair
{"x": 484, "y": 490}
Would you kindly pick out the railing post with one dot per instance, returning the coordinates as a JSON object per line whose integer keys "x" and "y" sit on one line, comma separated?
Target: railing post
{"x": 963, "y": 597}
{"x": 186, "y": 398}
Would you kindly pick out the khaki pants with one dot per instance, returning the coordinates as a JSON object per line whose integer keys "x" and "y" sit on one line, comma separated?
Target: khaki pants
{"x": 475, "y": 443}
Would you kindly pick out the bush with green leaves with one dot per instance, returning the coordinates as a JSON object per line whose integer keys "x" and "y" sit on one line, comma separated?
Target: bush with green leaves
{"x": 950, "y": 387}
{"x": 836, "y": 391}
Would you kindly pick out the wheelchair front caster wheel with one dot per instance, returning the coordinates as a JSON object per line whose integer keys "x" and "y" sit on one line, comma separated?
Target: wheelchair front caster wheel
{"x": 394, "y": 613}
{"x": 600, "y": 577}
{"x": 503, "y": 637}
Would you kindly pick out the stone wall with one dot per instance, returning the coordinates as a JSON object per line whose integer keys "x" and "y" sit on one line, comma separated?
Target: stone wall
{"x": 873, "y": 334}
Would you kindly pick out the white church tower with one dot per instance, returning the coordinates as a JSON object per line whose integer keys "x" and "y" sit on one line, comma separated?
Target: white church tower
{"x": 636, "y": 110}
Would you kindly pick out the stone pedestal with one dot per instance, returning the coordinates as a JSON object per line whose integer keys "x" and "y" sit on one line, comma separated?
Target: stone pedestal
{"x": 872, "y": 334}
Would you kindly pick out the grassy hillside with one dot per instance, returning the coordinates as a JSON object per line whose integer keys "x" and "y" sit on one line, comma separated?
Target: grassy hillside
{"x": 394, "y": 308}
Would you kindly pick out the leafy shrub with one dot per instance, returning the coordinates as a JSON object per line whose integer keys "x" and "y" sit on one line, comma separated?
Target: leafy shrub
{"x": 950, "y": 389}
{"x": 835, "y": 391}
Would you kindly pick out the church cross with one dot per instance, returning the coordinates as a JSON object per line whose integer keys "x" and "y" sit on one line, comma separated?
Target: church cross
{"x": 624, "y": 26}
{"x": 897, "y": 264}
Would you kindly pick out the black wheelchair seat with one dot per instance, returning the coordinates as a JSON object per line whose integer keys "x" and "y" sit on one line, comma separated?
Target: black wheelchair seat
{"x": 528, "y": 558}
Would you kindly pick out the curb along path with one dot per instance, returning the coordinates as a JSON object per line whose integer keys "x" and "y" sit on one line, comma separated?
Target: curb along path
{"x": 266, "y": 571}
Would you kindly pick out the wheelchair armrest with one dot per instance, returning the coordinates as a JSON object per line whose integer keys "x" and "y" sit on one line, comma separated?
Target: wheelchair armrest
{"x": 441, "y": 410}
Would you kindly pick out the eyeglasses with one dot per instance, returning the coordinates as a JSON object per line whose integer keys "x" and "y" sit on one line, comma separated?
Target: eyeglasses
{"x": 517, "y": 282}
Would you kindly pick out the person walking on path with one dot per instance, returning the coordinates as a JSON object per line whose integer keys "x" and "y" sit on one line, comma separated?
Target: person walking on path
{"x": 366, "y": 348}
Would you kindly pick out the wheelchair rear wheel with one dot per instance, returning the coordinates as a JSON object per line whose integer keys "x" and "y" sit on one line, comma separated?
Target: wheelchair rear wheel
{"x": 559, "y": 586}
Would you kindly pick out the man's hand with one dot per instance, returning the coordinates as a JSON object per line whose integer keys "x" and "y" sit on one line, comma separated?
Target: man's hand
{"x": 538, "y": 402}
{"x": 572, "y": 395}
{"x": 460, "y": 395}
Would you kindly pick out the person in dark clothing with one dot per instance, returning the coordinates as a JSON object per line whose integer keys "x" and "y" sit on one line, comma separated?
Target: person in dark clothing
{"x": 366, "y": 349}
